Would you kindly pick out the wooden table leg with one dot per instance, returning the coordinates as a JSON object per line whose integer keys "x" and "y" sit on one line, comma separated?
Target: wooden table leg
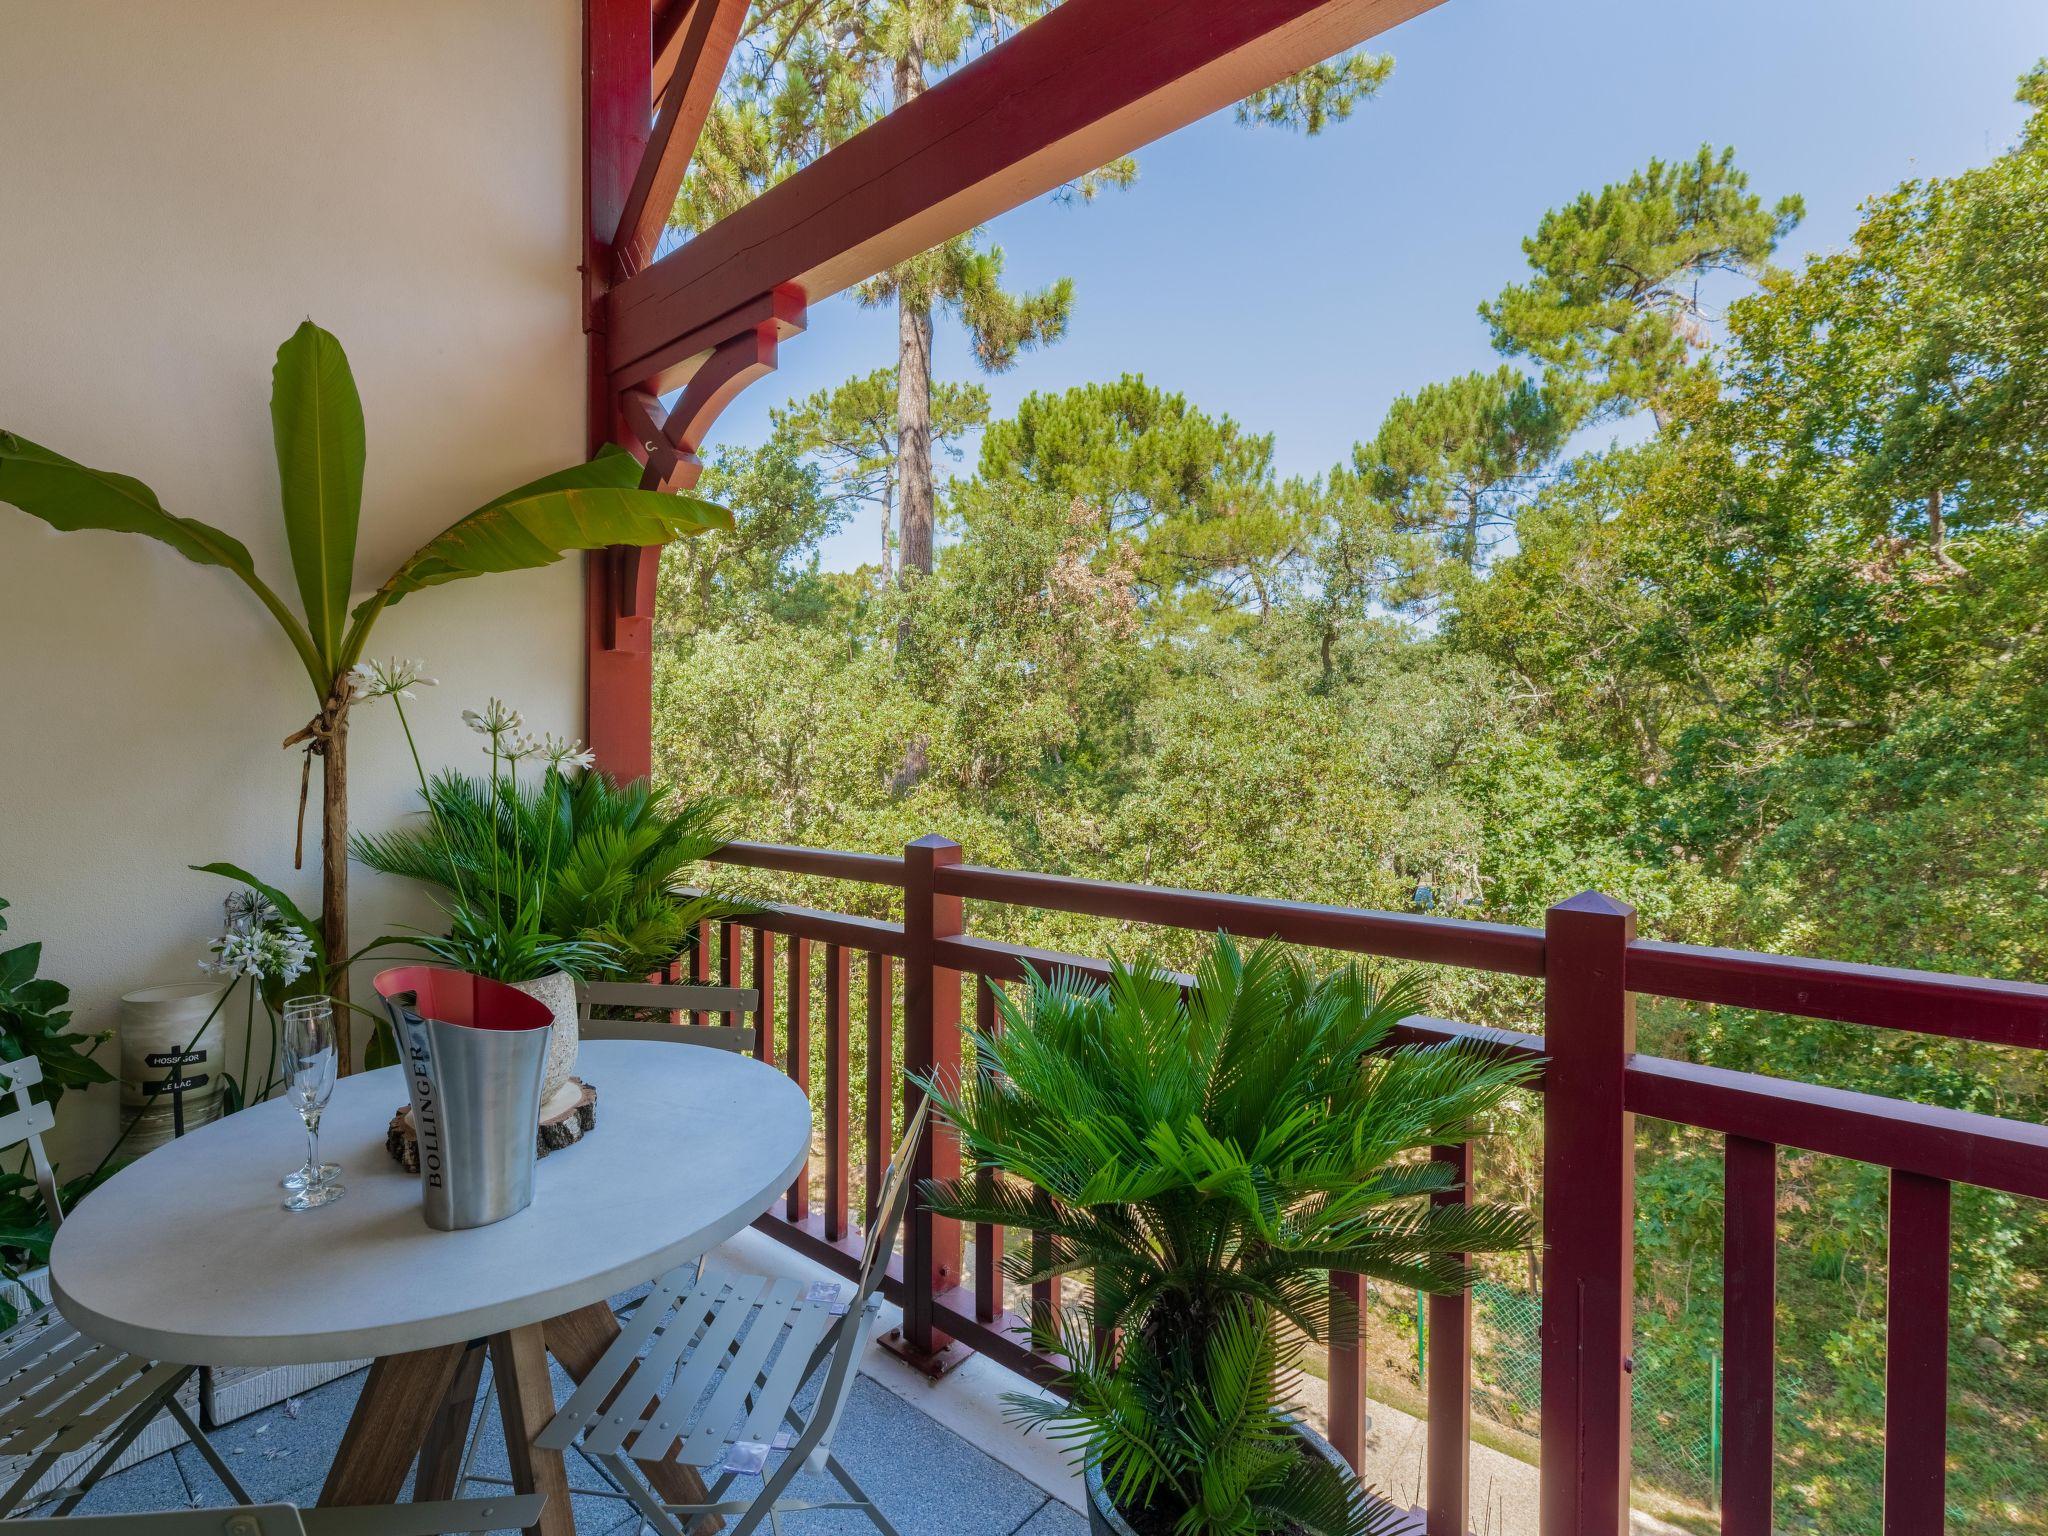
{"x": 397, "y": 1407}
{"x": 578, "y": 1340}
{"x": 448, "y": 1436}
{"x": 526, "y": 1402}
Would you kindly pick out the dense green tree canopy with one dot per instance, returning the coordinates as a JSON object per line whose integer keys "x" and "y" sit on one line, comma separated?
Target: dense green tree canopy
{"x": 1777, "y": 673}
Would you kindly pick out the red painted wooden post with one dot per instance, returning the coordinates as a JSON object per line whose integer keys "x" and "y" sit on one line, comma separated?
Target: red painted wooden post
{"x": 881, "y": 1128}
{"x": 729, "y": 956}
{"x": 931, "y": 1046}
{"x": 988, "y": 1238}
{"x": 1347, "y": 1372}
{"x": 1749, "y": 1299}
{"x": 700, "y": 965}
{"x": 838, "y": 978}
{"x": 764, "y": 983}
{"x": 1916, "y": 1358}
{"x": 617, "y": 79}
{"x": 1589, "y": 1032}
{"x": 796, "y": 1045}
{"x": 1450, "y": 1383}
{"x": 1045, "y": 1294}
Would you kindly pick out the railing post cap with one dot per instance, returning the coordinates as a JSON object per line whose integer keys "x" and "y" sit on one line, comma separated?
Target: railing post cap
{"x": 1594, "y": 904}
{"x": 932, "y": 843}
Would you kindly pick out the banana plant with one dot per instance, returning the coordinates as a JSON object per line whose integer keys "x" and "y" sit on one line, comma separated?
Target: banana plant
{"x": 317, "y": 424}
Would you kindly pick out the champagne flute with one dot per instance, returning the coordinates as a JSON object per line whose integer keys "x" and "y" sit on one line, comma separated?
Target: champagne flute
{"x": 310, "y": 1065}
{"x": 301, "y": 1178}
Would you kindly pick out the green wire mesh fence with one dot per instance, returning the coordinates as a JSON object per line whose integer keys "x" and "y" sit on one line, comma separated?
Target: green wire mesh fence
{"x": 1675, "y": 1407}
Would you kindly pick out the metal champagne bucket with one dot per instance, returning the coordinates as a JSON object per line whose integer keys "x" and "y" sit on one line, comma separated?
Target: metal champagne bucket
{"x": 473, "y": 1052}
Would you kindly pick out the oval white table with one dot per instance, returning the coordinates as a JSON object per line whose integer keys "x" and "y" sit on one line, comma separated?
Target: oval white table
{"x": 189, "y": 1256}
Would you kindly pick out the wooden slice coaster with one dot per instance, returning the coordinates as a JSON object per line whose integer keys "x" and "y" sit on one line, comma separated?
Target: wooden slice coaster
{"x": 562, "y": 1129}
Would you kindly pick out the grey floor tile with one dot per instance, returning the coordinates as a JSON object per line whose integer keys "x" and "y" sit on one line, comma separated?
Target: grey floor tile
{"x": 926, "y": 1479}
{"x": 1055, "y": 1519}
{"x": 595, "y": 1516}
{"x": 148, "y": 1485}
{"x": 282, "y": 1452}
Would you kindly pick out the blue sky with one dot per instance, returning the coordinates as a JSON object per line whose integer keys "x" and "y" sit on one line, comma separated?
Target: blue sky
{"x": 1301, "y": 284}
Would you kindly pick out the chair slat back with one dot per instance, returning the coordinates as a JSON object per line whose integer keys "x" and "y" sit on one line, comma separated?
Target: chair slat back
{"x": 893, "y": 1202}
{"x": 26, "y": 1122}
{"x": 671, "y": 994}
{"x": 669, "y": 997}
{"x": 722, "y": 1037}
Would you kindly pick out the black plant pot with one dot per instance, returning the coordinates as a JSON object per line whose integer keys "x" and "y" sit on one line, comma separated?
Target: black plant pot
{"x": 1105, "y": 1520}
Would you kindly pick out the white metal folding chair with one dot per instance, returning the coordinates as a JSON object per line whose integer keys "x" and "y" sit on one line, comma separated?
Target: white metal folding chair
{"x": 703, "y": 1356}
{"x": 594, "y": 997}
{"x": 62, "y": 1393}
{"x": 430, "y": 1519}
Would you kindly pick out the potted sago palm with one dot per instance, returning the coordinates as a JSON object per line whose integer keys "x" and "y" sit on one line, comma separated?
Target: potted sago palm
{"x": 1209, "y": 1153}
{"x": 494, "y": 902}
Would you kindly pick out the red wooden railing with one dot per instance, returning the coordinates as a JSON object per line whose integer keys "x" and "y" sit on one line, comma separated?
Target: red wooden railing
{"x": 1592, "y": 967}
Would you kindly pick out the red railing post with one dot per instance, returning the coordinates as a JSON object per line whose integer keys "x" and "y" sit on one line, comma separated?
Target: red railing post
{"x": 1448, "y": 1501}
{"x": 931, "y": 1046}
{"x": 1589, "y": 1033}
{"x": 838, "y": 1096}
{"x": 1749, "y": 1293}
{"x": 881, "y": 1127}
{"x": 988, "y": 1238}
{"x": 1347, "y": 1370}
{"x": 1916, "y": 1356}
{"x": 796, "y": 1041}
{"x": 764, "y": 984}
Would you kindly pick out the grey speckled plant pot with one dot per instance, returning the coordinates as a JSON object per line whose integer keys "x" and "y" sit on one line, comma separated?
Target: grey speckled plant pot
{"x": 1103, "y": 1519}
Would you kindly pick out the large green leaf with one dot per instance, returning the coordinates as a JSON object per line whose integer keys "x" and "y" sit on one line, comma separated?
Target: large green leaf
{"x": 70, "y": 496}
{"x": 316, "y": 419}
{"x": 586, "y": 506}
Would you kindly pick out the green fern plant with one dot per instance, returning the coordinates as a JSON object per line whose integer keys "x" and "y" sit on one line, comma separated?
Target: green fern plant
{"x": 1209, "y": 1154}
{"x": 614, "y": 858}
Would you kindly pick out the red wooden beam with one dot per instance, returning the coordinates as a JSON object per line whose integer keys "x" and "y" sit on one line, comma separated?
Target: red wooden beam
{"x": 736, "y": 362}
{"x": 704, "y": 41}
{"x": 669, "y": 16}
{"x": 1091, "y": 80}
{"x": 1397, "y": 935}
{"x": 618, "y": 677}
{"x": 1928, "y": 1002}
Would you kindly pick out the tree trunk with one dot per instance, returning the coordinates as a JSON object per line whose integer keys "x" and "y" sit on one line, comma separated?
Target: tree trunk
{"x": 334, "y": 876}
{"x": 1937, "y": 534}
{"x": 913, "y": 435}
{"x": 913, "y": 385}
{"x": 888, "y": 542}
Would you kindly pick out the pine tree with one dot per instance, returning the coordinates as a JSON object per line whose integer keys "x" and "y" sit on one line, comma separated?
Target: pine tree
{"x": 1455, "y": 461}
{"x": 812, "y": 73}
{"x": 853, "y": 432}
{"x": 1614, "y": 308}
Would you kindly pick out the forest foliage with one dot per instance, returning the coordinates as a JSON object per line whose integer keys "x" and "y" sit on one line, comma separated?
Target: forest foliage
{"x": 1736, "y": 609}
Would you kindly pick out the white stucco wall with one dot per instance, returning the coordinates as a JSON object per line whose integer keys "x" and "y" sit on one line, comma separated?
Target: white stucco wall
{"x": 179, "y": 186}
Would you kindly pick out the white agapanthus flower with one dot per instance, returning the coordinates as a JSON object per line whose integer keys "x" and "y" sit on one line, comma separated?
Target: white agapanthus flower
{"x": 393, "y": 679}
{"x": 513, "y": 749}
{"x": 494, "y": 720}
{"x": 261, "y": 954}
{"x": 247, "y": 908}
{"x": 562, "y": 754}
